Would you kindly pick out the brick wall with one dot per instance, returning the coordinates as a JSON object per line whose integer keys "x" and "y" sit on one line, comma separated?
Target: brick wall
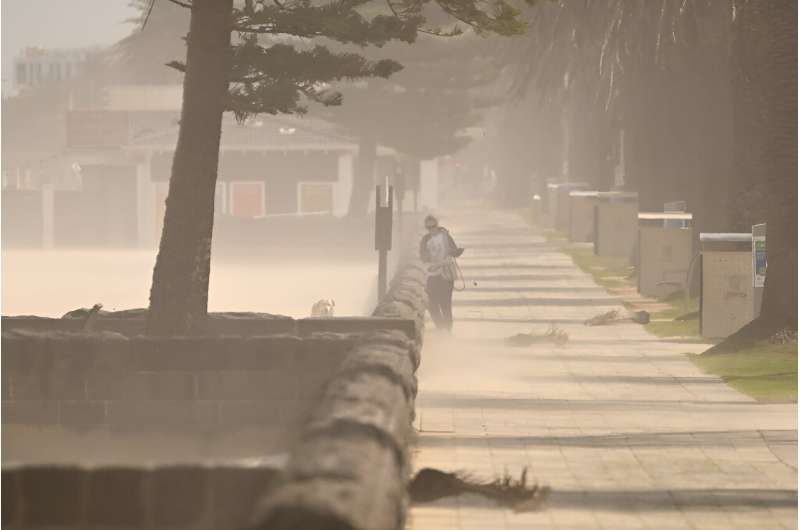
{"x": 122, "y": 382}
{"x": 196, "y": 497}
{"x": 355, "y": 444}
{"x": 131, "y": 323}
{"x": 109, "y": 381}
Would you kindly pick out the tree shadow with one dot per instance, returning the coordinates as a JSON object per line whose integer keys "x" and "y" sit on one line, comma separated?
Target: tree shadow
{"x": 709, "y": 439}
{"x": 525, "y": 302}
{"x": 672, "y": 499}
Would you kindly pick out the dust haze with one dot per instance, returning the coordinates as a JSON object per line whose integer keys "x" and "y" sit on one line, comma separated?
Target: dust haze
{"x": 341, "y": 241}
{"x": 51, "y": 283}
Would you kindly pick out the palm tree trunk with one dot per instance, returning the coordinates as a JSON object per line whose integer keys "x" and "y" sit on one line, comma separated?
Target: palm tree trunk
{"x": 179, "y": 293}
{"x": 773, "y": 67}
{"x": 780, "y": 160}
{"x": 589, "y": 146}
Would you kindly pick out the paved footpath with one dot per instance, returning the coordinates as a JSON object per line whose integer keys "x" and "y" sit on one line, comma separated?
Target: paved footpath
{"x": 627, "y": 432}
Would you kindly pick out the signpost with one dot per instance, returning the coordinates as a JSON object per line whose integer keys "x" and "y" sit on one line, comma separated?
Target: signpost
{"x": 400, "y": 184}
{"x": 384, "y": 205}
{"x": 759, "y": 265}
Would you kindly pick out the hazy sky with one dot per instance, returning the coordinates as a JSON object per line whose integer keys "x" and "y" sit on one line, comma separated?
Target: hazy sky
{"x": 60, "y": 24}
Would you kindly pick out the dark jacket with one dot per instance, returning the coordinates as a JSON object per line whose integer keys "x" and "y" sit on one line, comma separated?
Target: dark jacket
{"x": 453, "y": 250}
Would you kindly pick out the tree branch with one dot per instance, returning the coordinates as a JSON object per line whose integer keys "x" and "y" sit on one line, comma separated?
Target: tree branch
{"x": 187, "y": 5}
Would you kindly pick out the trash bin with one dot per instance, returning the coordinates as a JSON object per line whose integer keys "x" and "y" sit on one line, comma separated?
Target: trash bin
{"x": 558, "y": 203}
{"x": 616, "y": 225}
{"x": 726, "y": 292}
{"x": 581, "y": 216}
{"x": 665, "y": 252}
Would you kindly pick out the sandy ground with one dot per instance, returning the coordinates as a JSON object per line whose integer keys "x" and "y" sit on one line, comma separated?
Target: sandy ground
{"x": 50, "y": 283}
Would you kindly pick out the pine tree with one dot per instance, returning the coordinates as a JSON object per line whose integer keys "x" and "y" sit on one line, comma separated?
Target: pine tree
{"x": 423, "y": 111}
{"x": 278, "y": 63}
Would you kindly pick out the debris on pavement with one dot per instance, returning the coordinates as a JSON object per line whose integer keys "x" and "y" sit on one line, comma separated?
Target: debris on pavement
{"x": 557, "y": 336}
{"x": 613, "y": 316}
{"x": 431, "y": 484}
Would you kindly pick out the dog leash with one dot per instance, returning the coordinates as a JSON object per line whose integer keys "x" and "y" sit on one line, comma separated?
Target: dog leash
{"x": 460, "y": 275}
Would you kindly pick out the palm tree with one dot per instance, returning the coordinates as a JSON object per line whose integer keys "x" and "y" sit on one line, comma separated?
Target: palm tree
{"x": 657, "y": 71}
{"x": 422, "y": 111}
{"x": 777, "y": 20}
{"x": 705, "y": 92}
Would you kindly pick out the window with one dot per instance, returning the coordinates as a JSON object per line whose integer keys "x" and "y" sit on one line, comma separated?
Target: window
{"x": 247, "y": 199}
{"x": 316, "y": 197}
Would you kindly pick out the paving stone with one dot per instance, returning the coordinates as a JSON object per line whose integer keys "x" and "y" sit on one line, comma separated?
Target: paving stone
{"x": 623, "y": 427}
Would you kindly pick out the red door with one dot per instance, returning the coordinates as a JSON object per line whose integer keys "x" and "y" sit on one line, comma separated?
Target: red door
{"x": 247, "y": 199}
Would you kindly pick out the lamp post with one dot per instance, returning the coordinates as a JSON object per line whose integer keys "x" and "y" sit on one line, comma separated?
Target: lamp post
{"x": 384, "y": 204}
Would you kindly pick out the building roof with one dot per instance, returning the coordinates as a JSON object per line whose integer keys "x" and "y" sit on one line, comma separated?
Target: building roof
{"x": 262, "y": 134}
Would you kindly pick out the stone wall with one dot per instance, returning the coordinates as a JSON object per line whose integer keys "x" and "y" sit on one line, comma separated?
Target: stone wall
{"x": 187, "y": 497}
{"x": 343, "y": 388}
{"x": 106, "y": 380}
{"x": 131, "y": 323}
{"x": 351, "y": 467}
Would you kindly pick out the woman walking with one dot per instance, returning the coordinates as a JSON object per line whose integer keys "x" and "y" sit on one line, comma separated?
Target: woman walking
{"x": 439, "y": 251}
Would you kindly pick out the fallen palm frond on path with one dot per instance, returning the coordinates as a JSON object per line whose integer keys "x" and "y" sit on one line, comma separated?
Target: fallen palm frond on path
{"x": 431, "y": 484}
{"x": 555, "y": 335}
{"x": 613, "y": 317}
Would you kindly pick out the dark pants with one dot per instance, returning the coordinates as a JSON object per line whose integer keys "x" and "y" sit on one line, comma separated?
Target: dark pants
{"x": 440, "y": 301}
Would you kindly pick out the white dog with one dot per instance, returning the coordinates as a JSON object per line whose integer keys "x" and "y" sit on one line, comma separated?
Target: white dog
{"x": 323, "y": 308}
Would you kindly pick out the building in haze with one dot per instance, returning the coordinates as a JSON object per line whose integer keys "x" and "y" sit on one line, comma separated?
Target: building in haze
{"x": 106, "y": 182}
{"x": 38, "y": 66}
